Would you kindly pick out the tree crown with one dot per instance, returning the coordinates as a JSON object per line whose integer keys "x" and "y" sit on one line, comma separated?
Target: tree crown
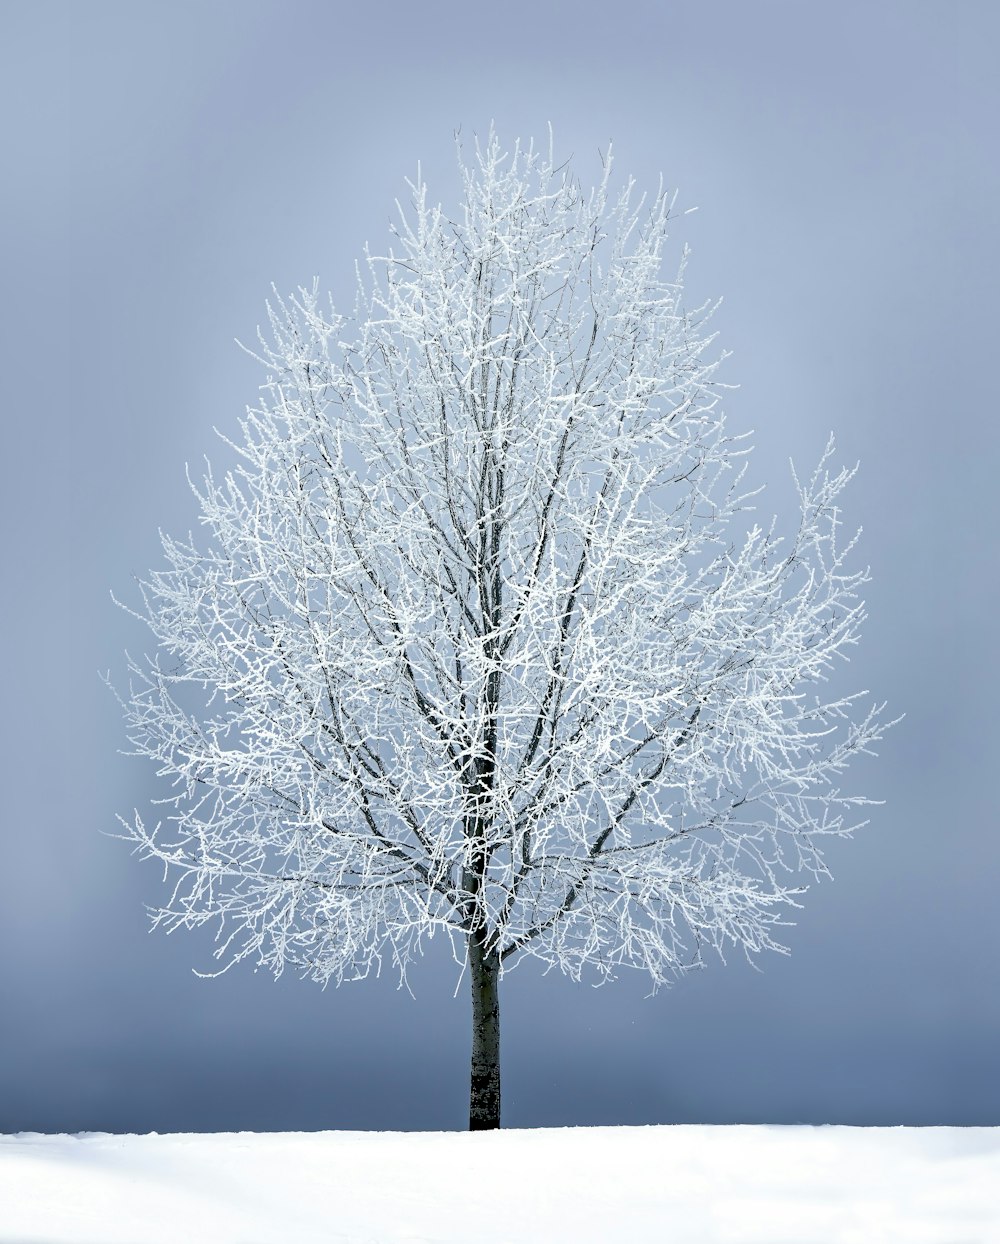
{"x": 477, "y": 641}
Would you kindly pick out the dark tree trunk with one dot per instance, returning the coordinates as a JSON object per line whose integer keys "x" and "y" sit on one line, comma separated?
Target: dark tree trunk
{"x": 484, "y": 1094}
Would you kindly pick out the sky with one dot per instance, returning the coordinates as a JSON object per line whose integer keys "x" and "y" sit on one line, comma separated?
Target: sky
{"x": 164, "y": 164}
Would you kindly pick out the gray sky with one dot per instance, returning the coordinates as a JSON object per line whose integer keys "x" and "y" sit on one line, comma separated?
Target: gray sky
{"x": 163, "y": 164}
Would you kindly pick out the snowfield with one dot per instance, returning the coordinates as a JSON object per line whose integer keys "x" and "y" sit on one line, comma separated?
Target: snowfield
{"x": 686, "y": 1184}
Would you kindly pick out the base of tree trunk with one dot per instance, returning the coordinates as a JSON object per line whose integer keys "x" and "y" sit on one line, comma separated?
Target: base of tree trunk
{"x": 484, "y": 1089}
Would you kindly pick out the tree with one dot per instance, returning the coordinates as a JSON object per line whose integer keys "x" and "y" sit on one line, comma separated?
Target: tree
{"x": 477, "y": 644}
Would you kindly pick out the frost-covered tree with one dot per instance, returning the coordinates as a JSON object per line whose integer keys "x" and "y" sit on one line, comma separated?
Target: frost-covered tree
{"x": 480, "y": 639}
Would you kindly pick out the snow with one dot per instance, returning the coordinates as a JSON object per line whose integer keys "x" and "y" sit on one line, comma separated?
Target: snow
{"x": 690, "y": 1184}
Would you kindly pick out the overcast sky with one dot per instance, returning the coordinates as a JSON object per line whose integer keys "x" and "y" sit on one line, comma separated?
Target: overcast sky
{"x": 163, "y": 164}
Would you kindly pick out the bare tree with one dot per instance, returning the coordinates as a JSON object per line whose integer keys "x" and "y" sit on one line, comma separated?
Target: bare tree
{"x": 479, "y": 641}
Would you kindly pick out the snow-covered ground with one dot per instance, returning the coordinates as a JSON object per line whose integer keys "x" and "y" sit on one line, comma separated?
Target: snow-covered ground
{"x": 688, "y": 1185}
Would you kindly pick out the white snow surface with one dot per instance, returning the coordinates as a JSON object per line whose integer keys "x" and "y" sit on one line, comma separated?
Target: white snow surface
{"x": 688, "y": 1184}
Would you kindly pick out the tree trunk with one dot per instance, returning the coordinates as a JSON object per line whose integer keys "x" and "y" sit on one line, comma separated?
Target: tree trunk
{"x": 484, "y": 1093}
